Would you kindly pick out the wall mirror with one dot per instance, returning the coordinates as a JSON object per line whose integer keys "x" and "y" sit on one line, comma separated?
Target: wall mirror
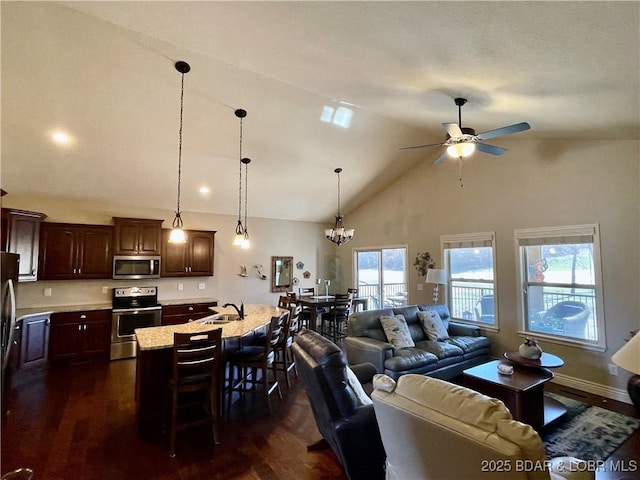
{"x": 281, "y": 274}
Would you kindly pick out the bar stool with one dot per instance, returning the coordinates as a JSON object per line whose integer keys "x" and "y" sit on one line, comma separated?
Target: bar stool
{"x": 195, "y": 382}
{"x": 249, "y": 360}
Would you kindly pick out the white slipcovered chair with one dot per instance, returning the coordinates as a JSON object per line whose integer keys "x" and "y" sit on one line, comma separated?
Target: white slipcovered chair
{"x": 432, "y": 429}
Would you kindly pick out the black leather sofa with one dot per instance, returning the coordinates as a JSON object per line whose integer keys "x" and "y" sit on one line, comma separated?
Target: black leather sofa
{"x": 367, "y": 342}
{"x": 349, "y": 428}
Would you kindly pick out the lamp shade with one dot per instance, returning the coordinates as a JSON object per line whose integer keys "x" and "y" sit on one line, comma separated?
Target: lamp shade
{"x": 461, "y": 150}
{"x": 436, "y": 276}
{"x": 628, "y": 357}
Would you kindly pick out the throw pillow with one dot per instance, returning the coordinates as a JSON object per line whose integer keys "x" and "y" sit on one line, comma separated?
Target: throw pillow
{"x": 432, "y": 325}
{"x": 354, "y": 383}
{"x": 384, "y": 382}
{"x": 397, "y": 331}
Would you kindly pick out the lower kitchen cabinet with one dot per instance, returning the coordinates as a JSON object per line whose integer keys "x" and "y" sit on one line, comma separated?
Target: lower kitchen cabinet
{"x": 184, "y": 313}
{"x": 80, "y": 336}
{"x": 34, "y": 340}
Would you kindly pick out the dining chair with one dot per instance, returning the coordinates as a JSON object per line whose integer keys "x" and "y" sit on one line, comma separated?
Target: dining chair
{"x": 334, "y": 321}
{"x": 250, "y": 360}
{"x": 284, "y": 301}
{"x": 305, "y": 314}
{"x": 195, "y": 384}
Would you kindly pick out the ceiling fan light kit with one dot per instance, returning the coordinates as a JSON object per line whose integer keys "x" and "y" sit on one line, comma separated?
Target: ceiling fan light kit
{"x": 462, "y": 141}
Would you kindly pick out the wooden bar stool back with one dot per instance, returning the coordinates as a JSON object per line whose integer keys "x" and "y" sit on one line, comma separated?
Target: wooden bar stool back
{"x": 195, "y": 384}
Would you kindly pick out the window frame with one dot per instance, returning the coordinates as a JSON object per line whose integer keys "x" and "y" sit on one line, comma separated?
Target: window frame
{"x": 546, "y": 236}
{"x": 470, "y": 240}
{"x": 380, "y": 249}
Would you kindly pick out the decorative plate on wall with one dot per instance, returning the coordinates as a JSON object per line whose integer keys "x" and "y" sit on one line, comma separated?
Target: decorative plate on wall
{"x": 299, "y": 265}
{"x": 307, "y": 274}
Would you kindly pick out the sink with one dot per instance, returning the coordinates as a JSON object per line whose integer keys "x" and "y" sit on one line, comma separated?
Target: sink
{"x": 220, "y": 318}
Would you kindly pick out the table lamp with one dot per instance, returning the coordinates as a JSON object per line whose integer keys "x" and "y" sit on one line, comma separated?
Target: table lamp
{"x": 437, "y": 277}
{"x": 628, "y": 357}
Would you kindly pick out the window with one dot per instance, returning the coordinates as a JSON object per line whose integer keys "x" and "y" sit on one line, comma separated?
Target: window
{"x": 470, "y": 264}
{"x": 561, "y": 287}
{"x": 381, "y": 275}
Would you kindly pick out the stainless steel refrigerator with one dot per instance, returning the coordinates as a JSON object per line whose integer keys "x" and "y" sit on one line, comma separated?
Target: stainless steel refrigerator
{"x": 9, "y": 275}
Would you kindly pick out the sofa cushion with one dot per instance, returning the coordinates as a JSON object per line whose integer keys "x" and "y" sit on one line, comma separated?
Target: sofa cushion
{"x": 441, "y": 350}
{"x": 432, "y": 325}
{"x": 397, "y": 331}
{"x": 469, "y": 344}
{"x": 361, "y": 396}
{"x": 409, "y": 359}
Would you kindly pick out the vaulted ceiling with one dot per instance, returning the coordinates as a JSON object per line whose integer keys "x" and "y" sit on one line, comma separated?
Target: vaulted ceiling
{"x": 103, "y": 72}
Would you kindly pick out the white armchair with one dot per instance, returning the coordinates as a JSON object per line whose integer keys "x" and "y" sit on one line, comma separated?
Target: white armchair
{"x": 432, "y": 429}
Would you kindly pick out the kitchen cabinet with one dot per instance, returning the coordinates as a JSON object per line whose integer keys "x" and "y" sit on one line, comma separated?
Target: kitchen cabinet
{"x": 80, "y": 336}
{"x": 34, "y": 340}
{"x": 73, "y": 251}
{"x": 21, "y": 235}
{"x": 184, "y": 313}
{"x": 194, "y": 258}
{"x": 137, "y": 236}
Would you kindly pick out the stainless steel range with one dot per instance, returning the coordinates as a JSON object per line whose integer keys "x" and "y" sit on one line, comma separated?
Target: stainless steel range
{"x": 132, "y": 307}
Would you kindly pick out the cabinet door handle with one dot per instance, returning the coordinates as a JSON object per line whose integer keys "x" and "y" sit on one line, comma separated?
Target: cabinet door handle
{"x": 84, "y": 326}
{"x": 79, "y": 327}
{"x": 47, "y": 322}
{"x": 83, "y": 316}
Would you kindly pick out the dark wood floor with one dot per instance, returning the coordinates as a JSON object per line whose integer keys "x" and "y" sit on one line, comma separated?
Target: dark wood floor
{"x": 78, "y": 423}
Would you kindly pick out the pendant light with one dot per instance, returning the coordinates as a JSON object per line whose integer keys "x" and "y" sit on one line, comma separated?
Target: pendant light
{"x": 177, "y": 233}
{"x": 338, "y": 234}
{"x": 242, "y": 236}
{"x": 245, "y": 241}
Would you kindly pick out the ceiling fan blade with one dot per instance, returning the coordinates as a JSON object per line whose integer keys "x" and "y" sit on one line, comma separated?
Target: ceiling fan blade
{"x": 491, "y": 149}
{"x": 515, "y": 128}
{"x": 453, "y": 129}
{"x": 421, "y": 146}
{"x": 441, "y": 158}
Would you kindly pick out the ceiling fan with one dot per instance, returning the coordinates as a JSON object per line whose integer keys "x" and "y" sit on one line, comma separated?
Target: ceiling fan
{"x": 463, "y": 141}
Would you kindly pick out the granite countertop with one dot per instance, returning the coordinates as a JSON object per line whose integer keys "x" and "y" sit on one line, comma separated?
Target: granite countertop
{"x": 21, "y": 313}
{"x": 156, "y": 338}
{"x": 187, "y": 301}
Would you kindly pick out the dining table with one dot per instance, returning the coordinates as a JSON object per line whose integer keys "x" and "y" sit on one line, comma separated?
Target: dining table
{"x": 315, "y": 302}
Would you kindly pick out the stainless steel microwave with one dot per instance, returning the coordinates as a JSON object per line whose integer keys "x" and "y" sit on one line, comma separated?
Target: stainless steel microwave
{"x": 135, "y": 267}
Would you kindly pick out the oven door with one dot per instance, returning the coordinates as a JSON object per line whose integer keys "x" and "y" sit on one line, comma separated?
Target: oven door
{"x": 124, "y": 323}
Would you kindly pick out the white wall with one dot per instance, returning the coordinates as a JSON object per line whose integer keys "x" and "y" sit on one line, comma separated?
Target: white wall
{"x": 535, "y": 184}
{"x": 302, "y": 240}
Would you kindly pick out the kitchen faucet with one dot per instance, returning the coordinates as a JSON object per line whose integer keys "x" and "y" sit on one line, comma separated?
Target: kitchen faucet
{"x": 239, "y": 310}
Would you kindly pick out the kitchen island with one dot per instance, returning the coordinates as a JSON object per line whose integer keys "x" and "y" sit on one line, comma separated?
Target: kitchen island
{"x": 155, "y": 356}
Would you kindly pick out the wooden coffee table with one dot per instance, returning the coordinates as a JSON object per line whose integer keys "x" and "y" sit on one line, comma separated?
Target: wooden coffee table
{"x": 522, "y": 392}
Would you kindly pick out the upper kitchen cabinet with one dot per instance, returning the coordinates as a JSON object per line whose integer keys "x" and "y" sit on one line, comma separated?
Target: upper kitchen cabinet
{"x": 21, "y": 235}
{"x": 137, "y": 236}
{"x": 194, "y": 258}
{"x": 73, "y": 251}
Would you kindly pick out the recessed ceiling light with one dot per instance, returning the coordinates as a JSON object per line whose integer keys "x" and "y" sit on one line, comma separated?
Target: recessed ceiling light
{"x": 204, "y": 190}
{"x": 60, "y": 137}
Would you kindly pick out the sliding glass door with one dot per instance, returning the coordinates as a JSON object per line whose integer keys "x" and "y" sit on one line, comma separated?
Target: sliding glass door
{"x": 381, "y": 275}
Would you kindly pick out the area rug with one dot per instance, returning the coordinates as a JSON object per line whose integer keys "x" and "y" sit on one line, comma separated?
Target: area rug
{"x": 587, "y": 432}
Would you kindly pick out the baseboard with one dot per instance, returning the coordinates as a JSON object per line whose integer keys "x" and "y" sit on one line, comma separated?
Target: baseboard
{"x": 591, "y": 387}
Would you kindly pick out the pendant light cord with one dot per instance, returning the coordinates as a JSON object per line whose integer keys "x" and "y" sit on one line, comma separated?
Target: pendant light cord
{"x": 246, "y": 190}
{"x": 180, "y": 143}
{"x": 240, "y": 178}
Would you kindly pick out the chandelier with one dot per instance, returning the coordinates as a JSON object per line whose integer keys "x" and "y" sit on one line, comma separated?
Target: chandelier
{"x": 242, "y": 234}
{"x": 338, "y": 234}
{"x": 177, "y": 233}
